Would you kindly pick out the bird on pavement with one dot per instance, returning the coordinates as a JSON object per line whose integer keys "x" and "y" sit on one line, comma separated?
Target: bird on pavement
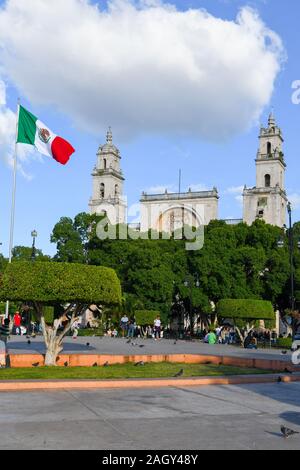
{"x": 106, "y": 364}
{"x": 29, "y": 342}
{"x": 283, "y": 352}
{"x": 36, "y": 364}
{"x": 66, "y": 364}
{"x": 279, "y": 379}
{"x": 179, "y": 373}
{"x": 87, "y": 344}
{"x": 140, "y": 363}
{"x": 175, "y": 342}
{"x": 129, "y": 341}
{"x": 133, "y": 344}
{"x": 141, "y": 345}
{"x": 286, "y": 432}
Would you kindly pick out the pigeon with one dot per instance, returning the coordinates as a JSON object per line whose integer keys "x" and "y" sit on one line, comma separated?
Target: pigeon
{"x": 106, "y": 364}
{"x": 95, "y": 365}
{"x": 279, "y": 379}
{"x": 286, "y": 432}
{"x": 36, "y": 364}
{"x": 175, "y": 342}
{"x": 87, "y": 344}
{"x": 29, "y": 342}
{"x": 179, "y": 373}
{"x": 283, "y": 352}
{"x": 133, "y": 344}
{"x": 141, "y": 345}
{"x": 66, "y": 364}
{"x": 129, "y": 341}
{"x": 140, "y": 363}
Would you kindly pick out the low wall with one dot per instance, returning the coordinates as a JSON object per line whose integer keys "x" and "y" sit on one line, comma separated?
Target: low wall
{"x": 81, "y": 360}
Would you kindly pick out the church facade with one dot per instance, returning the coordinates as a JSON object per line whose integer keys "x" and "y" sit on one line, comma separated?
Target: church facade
{"x": 170, "y": 211}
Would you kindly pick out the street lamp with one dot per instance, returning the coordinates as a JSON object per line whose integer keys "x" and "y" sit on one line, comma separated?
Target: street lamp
{"x": 280, "y": 244}
{"x": 190, "y": 283}
{"x": 33, "y": 253}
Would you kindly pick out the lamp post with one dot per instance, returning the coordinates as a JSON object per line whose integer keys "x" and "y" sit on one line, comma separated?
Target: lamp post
{"x": 33, "y": 253}
{"x": 291, "y": 256}
{"x": 191, "y": 283}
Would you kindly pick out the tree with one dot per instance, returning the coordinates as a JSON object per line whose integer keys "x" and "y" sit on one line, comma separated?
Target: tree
{"x": 71, "y": 285}
{"x": 24, "y": 253}
{"x": 245, "y": 313}
{"x": 144, "y": 318}
{"x": 3, "y": 263}
{"x": 236, "y": 261}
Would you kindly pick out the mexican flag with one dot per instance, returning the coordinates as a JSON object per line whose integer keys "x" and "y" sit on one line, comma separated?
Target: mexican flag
{"x": 33, "y": 132}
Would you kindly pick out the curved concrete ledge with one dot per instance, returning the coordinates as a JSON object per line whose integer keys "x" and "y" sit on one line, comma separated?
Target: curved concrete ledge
{"x": 23, "y": 385}
{"x": 81, "y": 360}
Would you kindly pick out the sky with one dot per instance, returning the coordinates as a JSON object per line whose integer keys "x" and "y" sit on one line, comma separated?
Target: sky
{"x": 183, "y": 84}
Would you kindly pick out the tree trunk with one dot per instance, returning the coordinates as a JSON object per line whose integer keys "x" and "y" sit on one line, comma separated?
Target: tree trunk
{"x": 53, "y": 350}
{"x": 53, "y": 340}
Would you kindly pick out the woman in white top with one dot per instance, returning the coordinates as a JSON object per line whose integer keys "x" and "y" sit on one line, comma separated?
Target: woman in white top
{"x": 157, "y": 327}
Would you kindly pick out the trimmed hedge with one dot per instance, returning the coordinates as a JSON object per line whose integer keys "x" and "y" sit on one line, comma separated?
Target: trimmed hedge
{"x": 50, "y": 282}
{"x": 145, "y": 317}
{"x": 90, "y": 332}
{"x": 284, "y": 343}
{"x": 247, "y": 309}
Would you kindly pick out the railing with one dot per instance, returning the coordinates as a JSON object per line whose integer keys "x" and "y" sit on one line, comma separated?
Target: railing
{"x": 172, "y": 196}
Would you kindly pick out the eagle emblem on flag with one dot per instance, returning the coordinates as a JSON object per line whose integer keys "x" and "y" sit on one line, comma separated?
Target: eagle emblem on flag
{"x": 44, "y": 135}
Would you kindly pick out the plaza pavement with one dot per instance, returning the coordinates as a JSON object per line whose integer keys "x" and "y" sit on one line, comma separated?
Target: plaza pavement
{"x": 119, "y": 346}
{"x": 215, "y": 417}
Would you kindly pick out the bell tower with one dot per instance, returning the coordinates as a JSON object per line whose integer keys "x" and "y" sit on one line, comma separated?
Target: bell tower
{"x": 268, "y": 200}
{"x": 108, "y": 183}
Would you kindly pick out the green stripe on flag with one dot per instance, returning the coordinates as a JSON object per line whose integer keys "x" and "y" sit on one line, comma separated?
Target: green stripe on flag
{"x": 26, "y": 127}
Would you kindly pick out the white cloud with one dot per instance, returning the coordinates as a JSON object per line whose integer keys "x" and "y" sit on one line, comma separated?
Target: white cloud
{"x": 234, "y": 190}
{"x": 198, "y": 187}
{"x": 159, "y": 189}
{"x": 237, "y": 192}
{"x": 8, "y": 135}
{"x": 141, "y": 66}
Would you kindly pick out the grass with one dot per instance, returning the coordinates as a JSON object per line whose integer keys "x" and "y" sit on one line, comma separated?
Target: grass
{"x": 124, "y": 371}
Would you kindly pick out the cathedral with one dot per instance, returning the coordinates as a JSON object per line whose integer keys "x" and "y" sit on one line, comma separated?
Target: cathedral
{"x": 170, "y": 211}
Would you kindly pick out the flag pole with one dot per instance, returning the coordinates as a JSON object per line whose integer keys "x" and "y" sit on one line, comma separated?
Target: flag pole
{"x": 13, "y": 200}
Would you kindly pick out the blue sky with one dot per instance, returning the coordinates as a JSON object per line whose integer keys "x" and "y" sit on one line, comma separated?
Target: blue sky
{"x": 47, "y": 191}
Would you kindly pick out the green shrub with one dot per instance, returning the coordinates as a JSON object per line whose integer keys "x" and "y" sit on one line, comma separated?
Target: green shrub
{"x": 50, "y": 283}
{"x": 245, "y": 309}
{"x": 90, "y": 332}
{"x": 284, "y": 343}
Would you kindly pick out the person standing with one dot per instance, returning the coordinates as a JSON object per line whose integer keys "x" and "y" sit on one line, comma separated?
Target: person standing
{"x": 17, "y": 323}
{"x": 4, "y": 330}
{"x": 157, "y": 327}
{"x": 124, "y": 324}
{"x": 131, "y": 328}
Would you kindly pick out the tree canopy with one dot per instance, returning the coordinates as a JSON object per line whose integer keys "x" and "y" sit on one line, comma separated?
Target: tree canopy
{"x": 245, "y": 309}
{"x": 236, "y": 261}
{"x": 49, "y": 283}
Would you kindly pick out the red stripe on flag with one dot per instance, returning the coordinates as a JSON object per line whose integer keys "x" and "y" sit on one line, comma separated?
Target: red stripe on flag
{"x": 61, "y": 150}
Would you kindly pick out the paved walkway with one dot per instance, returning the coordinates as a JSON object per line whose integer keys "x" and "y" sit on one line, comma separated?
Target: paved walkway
{"x": 116, "y": 346}
{"x": 215, "y": 417}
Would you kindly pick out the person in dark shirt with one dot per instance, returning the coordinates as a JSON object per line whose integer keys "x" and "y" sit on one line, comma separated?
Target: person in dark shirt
{"x": 4, "y": 330}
